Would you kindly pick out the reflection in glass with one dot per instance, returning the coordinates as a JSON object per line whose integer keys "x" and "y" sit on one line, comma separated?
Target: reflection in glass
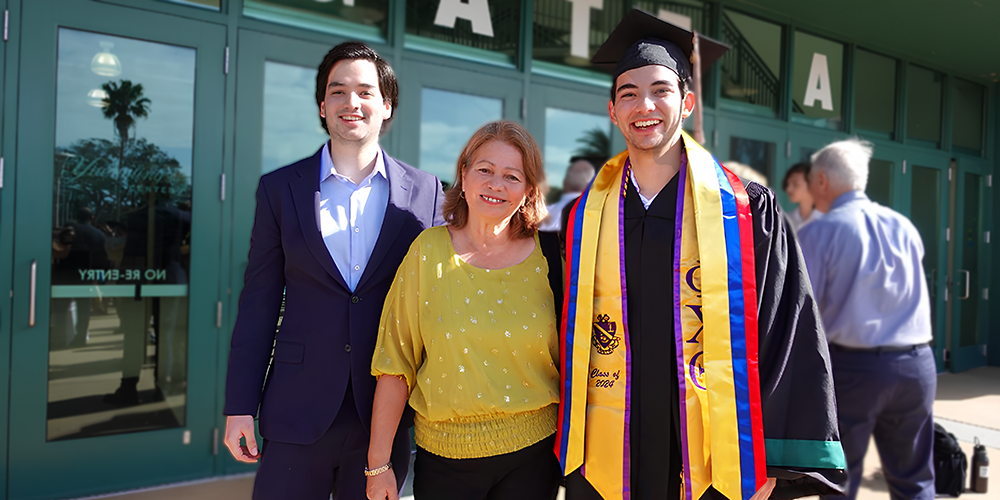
{"x": 968, "y": 332}
{"x": 751, "y": 69}
{"x": 967, "y": 116}
{"x": 447, "y": 121}
{"x": 818, "y": 81}
{"x": 571, "y": 133}
{"x": 212, "y": 4}
{"x": 875, "y": 103}
{"x": 496, "y": 28}
{"x": 104, "y": 62}
{"x": 366, "y": 13}
{"x": 292, "y": 129}
{"x": 879, "y": 187}
{"x": 925, "y": 213}
{"x": 923, "y": 104}
{"x": 121, "y": 240}
{"x": 553, "y": 30}
{"x": 758, "y": 155}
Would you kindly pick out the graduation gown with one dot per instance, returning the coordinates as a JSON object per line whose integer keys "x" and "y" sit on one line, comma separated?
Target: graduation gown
{"x": 796, "y": 381}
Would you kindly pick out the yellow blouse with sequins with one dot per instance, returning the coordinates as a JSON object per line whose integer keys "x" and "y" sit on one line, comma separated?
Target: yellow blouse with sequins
{"x": 478, "y": 349}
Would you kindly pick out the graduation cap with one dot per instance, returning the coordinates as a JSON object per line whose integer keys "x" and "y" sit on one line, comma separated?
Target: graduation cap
{"x": 642, "y": 39}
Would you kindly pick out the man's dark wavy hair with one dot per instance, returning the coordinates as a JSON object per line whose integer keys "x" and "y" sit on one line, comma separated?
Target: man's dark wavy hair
{"x": 387, "y": 84}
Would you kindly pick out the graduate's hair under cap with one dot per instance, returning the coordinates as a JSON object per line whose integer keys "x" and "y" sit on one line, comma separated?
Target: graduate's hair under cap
{"x": 642, "y": 39}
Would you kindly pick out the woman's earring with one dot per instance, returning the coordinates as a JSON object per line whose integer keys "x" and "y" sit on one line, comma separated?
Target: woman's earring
{"x": 462, "y": 194}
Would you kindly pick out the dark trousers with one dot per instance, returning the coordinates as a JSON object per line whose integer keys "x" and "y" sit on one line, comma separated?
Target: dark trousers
{"x": 333, "y": 464}
{"x": 889, "y": 395}
{"x": 528, "y": 474}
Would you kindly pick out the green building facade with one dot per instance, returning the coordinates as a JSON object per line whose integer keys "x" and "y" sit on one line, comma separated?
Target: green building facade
{"x": 133, "y": 134}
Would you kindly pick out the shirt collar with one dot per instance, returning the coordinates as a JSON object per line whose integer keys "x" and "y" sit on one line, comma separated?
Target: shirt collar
{"x": 853, "y": 195}
{"x": 327, "y": 168}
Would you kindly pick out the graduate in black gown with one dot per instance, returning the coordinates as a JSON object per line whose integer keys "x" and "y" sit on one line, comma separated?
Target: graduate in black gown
{"x": 796, "y": 382}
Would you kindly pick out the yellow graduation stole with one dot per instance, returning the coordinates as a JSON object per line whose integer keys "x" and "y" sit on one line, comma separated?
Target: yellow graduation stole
{"x": 715, "y": 325}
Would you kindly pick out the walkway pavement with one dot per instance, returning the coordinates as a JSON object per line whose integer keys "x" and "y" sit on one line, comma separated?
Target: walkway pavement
{"x": 968, "y": 405}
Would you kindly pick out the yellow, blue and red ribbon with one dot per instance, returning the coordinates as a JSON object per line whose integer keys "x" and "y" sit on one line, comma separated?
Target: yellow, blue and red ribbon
{"x": 714, "y": 300}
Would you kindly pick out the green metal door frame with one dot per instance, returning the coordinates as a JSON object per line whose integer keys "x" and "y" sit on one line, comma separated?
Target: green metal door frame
{"x": 8, "y": 138}
{"x": 938, "y": 277}
{"x": 92, "y": 465}
{"x": 759, "y": 129}
{"x": 971, "y": 356}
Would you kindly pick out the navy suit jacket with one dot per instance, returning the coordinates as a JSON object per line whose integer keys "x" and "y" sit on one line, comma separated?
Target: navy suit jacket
{"x": 328, "y": 333}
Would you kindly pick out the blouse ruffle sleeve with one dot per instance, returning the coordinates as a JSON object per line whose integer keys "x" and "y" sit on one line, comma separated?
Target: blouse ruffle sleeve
{"x": 399, "y": 348}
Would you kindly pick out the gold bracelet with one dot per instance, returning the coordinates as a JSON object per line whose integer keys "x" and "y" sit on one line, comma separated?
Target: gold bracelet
{"x": 375, "y": 472}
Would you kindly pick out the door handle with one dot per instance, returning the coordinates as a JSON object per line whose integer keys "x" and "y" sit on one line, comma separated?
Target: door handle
{"x": 31, "y": 298}
{"x": 966, "y": 284}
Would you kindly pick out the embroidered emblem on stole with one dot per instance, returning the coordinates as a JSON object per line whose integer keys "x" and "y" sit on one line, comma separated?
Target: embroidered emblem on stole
{"x": 604, "y": 338}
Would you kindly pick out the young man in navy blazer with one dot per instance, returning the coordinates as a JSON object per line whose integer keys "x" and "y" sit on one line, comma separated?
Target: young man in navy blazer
{"x": 329, "y": 233}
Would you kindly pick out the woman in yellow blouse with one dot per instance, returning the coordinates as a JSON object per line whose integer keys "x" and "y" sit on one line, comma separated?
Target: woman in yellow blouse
{"x": 469, "y": 335}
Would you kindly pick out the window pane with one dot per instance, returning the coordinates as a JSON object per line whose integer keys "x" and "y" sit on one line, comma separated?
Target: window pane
{"x": 758, "y": 155}
{"x": 292, "y": 129}
{"x": 493, "y": 26}
{"x": 923, "y": 104}
{"x": 571, "y": 133}
{"x": 213, "y": 4}
{"x": 121, "y": 236}
{"x": 751, "y": 70}
{"x": 967, "y": 116}
{"x": 969, "y": 330}
{"x": 320, "y": 15}
{"x": 879, "y": 187}
{"x": 925, "y": 212}
{"x": 819, "y": 80}
{"x": 554, "y": 31}
{"x": 447, "y": 121}
{"x": 875, "y": 98}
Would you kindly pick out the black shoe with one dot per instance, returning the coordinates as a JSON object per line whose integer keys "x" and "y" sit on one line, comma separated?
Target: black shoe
{"x": 126, "y": 394}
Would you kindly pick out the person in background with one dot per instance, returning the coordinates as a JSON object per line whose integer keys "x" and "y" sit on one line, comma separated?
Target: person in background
{"x": 796, "y": 186}
{"x": 329, "y": 233}
{"x": 864, "y": 262}
{"x": 468, "y": 334}
{"x": 579, "y": 173}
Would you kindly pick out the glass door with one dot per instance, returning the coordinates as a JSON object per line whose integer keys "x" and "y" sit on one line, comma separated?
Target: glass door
{"x": 117, "y": 238}
{"x": 926, "y": 203}
{"x": 572, "y": 124}
{"x": 971, "y": 271}
{"x": 447, "y": 105}
{"x": 755, "y": 145}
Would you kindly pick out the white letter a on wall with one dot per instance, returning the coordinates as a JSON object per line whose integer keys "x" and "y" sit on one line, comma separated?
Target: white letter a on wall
{"x": 579, "y": 31}
{"x": 476, "y": 11}
{"x": 818, "y": 86}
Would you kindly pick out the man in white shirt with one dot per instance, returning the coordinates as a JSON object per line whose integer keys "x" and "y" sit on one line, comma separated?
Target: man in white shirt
{"x": 578, "y": 175}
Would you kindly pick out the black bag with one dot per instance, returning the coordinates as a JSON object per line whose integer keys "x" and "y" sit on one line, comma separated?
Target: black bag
{"x": 950, "y": 463}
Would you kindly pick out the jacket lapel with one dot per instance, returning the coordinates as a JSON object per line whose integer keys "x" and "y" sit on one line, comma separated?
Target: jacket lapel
{"x": 395, "y": 215}
{"x": 305, "y": 193}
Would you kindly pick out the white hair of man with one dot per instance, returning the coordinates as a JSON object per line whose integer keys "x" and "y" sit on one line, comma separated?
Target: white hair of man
{"x": 845, "y": 163}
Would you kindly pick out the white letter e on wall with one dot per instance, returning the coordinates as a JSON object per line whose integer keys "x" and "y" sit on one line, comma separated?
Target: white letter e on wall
{"x": 818, "y": 86}
{"x": 476, "y": 11}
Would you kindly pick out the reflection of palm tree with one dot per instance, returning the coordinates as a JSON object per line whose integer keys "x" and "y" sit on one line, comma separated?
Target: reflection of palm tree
{"x": 596, "y": 143}
{"x": 123, "y": 105}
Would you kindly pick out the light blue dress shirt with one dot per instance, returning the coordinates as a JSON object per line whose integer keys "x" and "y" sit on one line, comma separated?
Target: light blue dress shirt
{"x": 350, "y": 215}
{"x": 864, "y": 264}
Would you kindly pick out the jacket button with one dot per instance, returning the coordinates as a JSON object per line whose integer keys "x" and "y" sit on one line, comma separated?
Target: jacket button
{"x": 347, "y": 347}
{"x": 355, "y": 299}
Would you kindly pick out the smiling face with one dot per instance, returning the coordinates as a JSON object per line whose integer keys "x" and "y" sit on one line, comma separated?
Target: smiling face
{"x": 354, "y": 108}
{"x": 649, "y": 108}
{"x": 494, "y": 182}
